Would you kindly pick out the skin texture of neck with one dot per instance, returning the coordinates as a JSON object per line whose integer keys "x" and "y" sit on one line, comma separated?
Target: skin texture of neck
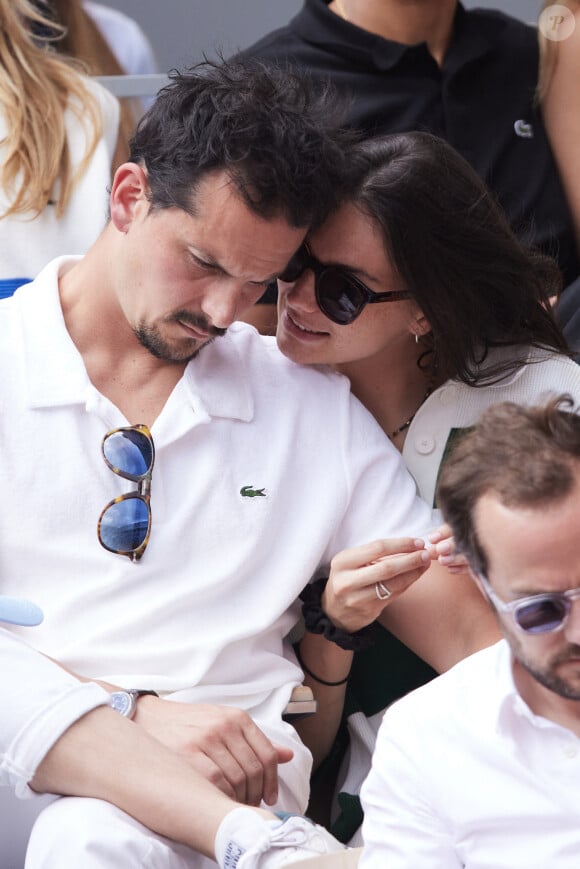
{"x": 117, "y": 364}
{"x": 406, "y": 21}
{"x": 389, "y": 384}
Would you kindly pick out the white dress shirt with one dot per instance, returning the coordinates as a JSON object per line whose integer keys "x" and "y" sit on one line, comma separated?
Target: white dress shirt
{"x": 465, "y": 775}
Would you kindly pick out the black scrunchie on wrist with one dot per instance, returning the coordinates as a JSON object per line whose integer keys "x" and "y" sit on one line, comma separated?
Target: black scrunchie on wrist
{"x": 317, "y": 622}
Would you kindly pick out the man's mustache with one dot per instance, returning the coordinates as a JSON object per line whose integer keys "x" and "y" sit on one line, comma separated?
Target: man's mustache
{"x": 198, "y": 322}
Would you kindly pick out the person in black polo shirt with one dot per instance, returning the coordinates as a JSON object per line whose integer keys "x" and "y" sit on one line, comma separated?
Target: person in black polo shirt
{"x": 468, "y": 76}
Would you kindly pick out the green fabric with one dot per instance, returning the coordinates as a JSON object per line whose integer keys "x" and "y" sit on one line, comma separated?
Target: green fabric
{"x": 454, "y": 437}
{"x": 382, "y": 674}
{"x": 379, "y": 676}
{"x": 349, "y": 819}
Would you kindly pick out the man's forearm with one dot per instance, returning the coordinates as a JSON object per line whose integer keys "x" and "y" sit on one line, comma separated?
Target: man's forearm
{"x": 156, "y": 786}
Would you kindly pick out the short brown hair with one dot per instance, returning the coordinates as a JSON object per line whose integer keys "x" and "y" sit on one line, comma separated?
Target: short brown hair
{"x": 526, "y": 456}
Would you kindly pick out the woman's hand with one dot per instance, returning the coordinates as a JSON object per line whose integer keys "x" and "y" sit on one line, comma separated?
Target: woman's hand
{"x": 364, "y": 579}
{"x": 442, "y": 548}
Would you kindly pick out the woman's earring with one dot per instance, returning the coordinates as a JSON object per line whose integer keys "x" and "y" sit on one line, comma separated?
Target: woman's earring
{"x": 416, "y": 338}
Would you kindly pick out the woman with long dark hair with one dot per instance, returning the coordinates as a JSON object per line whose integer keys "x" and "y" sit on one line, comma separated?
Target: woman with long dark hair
{"x": 417, "y": 290}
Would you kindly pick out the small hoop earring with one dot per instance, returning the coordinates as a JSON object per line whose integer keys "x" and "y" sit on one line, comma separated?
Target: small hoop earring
{"x": 416, "y": 338}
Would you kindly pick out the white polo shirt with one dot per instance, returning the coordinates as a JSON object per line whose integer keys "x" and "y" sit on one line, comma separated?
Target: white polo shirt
{"x": 465, "y": 775}
{"x": 203, "y": 615}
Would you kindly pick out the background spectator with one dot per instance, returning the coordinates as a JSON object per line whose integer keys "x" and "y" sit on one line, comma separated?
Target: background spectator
{"x": 59, "y": 135}
{"x": 468, "y": 76}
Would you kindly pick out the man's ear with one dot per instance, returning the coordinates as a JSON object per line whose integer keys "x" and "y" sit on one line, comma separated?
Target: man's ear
{"x": 129, "y": 195}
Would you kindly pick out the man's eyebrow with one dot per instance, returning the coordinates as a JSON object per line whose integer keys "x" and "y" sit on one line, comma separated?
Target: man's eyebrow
{"x": 210, "y": 260}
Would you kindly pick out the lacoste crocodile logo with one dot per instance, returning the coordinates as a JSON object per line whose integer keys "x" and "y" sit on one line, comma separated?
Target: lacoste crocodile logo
{"x": 250, "y": 492}
{"x": 523, "y": 129}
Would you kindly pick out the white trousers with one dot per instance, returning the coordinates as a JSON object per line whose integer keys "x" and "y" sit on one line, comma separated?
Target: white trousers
{"x": 93, "y": 834}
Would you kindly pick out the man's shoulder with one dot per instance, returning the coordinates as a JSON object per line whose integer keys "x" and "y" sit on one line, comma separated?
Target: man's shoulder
{"x": 262, "y": 350}
{"x": 466, "y": 691}
{"x": 501, "y": 28}
{"x": 274, "y": 46}
{"x": 306, "y": 36}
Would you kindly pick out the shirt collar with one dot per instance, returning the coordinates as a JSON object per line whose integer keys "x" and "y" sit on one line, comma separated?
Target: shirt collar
{"x": 217, "y": 380}
{"x": 512, "y": 708}
{"x": 55, "y": 371}
{"x": 317, "y": 25}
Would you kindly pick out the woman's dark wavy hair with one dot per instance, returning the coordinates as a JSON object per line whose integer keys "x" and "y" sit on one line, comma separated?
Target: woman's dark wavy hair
{"x": 455, "y": 251}
{"x": 277, "y": 133}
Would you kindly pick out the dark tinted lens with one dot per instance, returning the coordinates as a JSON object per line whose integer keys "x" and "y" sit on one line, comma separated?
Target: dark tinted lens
{"x": 295, "y": 267}
{"x": 130, "y": 452}
{"x": 338, "y": 296}
{"x": 125, "y": 524}
{"x": 542, "y": 616}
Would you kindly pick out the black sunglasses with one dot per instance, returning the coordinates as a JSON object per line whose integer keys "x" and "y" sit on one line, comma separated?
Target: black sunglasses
{"x": 539, "y": 613}
{"x": 340, "y": 296}
{"x": 124, "y": 525}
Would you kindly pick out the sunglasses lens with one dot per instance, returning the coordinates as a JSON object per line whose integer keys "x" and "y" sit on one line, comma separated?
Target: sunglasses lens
{"x": 124, "y": 525}
{"x": 130, "y": 452}
{"x": 542, "y": 616}
{"x": 338, "y": 297}
{"x": 295, "y": 267}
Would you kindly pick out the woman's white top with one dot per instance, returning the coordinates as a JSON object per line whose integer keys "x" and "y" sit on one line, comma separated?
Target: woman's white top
{"x": 28, "y": 243}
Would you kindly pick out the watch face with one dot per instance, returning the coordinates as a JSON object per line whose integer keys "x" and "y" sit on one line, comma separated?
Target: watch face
{"x": 122, "y": 702}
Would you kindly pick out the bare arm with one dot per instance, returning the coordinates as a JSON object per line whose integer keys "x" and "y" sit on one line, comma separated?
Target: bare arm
{"x": 561, "y": 110}
{"x": 331, "y": 663}
{"x": 221, "y": 743}
{"x": 442, "y": 617}
{"x": 156, "y": 787}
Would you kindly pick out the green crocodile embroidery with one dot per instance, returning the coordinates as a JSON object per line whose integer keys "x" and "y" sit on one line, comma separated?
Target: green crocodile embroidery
{"x": 249, "y": 492}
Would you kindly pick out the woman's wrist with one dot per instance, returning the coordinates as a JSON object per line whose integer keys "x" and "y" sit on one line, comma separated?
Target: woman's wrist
{"x": 317, "y": 622}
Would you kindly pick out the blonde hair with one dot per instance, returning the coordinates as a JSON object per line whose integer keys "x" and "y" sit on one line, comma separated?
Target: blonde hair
{"x": 83, "y": 40}
{"x": 36, "y": 87}
{"x": 548, "y": 50}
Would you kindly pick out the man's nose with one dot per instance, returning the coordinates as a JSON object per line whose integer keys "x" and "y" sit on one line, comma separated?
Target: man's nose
{"x": 572, "y": 624}
{"x": 222, "y": 303}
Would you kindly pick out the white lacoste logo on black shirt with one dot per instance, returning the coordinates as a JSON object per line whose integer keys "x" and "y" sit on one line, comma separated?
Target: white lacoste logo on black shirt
{"x": 523, "y": 129}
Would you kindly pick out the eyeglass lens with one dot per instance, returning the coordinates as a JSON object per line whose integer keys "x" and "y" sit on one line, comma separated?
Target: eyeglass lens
{"x": 338, "y": 295}
{"x": 125, "y": 522}
{"x": 129, "y": 452}
{"x": 542, "y": 616}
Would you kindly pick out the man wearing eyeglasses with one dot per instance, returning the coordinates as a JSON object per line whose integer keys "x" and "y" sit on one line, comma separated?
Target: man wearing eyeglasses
{"x": 482, "y": 766}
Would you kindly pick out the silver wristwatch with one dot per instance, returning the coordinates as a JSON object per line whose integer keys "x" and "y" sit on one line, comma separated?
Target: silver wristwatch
{"x": 125, "y": 702}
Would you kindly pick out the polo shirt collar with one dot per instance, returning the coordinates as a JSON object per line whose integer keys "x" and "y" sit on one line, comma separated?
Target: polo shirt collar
{"x": 220, "y": 379}
{"x": 55, "y": 371}
{"x": 317, "y": 25}
{"x": 217, "y": 382}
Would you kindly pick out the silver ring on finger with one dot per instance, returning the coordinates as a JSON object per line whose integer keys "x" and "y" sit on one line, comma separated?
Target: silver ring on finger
{"x": 381, "y": 591}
